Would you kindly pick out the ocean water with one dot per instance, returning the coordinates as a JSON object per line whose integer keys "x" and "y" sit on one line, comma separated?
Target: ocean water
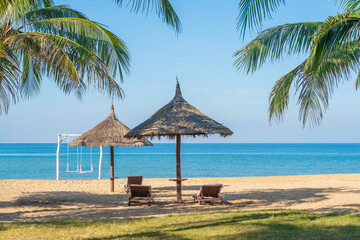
{"x": 38, "y": 161}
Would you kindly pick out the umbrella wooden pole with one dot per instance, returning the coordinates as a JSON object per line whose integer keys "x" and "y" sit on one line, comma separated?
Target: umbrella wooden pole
{"x": 178, "y": 168}
{"x": 112, "y": 177}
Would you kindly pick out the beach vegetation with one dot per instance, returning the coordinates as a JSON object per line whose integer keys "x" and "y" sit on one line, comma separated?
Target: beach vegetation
{"x": 39, "y": 39}
{"x": 163, "y": 9}
{"x": 253, "y": 13}
{"x": 332, "y": 53}
{"x": 266, "y": 224}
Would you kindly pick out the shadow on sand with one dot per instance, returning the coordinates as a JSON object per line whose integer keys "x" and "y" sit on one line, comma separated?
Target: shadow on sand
{"x": 44, "y": 206}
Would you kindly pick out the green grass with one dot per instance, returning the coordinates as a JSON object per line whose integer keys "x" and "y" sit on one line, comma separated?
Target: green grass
{"x": 269, "y": 224}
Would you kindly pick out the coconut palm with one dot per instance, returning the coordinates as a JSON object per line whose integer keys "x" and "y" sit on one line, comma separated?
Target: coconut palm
{"x": 333, "y": 50}
{"x": 39, "y": 39}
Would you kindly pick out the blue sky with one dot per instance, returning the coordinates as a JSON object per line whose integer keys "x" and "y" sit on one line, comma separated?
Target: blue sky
{"x": 202, "y": 59}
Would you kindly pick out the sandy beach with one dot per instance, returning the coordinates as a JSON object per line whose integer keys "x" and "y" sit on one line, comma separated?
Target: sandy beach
{"x": 42, "y": 200}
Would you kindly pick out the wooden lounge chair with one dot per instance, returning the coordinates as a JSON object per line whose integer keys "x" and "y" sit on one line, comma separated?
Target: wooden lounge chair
{"x": 140, "y": 194}
{"x": 132, "y": 180}
{"x": 209, "y": 193}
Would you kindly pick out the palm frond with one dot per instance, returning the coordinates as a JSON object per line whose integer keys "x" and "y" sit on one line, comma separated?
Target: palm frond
{"x": 163, "y": 9}
{"x": 279, "y": 96}
{"x": 332, "y": 34}
{"x": 357, "y": 81}
{"x": 313, "y": 99}
{"x": 253, "y": 12}
{"x": 273, "y": 43}
{"x": 9, "y": 78}
{"x": 30, "y": 75}
{"x": 315, "y": 88}
{"x": 15, "y": 9}
{"x": 60, "y": 11}
{"x": 70, "y": 64}
{"x": 106, "y": 45}
{"x": 349, "y": 5}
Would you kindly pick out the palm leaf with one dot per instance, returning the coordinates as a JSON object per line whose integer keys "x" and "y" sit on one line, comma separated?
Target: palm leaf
{"x": 349, "y": 5}
{"x": 60, "y": 11}
{"x": 315, "y": 88}
{"x": 15, "y": 9}
{"x": 273, "y": 43}
{"x": 163, "y": 9}
{"x": 106, "y": 45}
{"x": 332, "y": 34}
{"x": 279, "y": 96}
{"x": 9, "y": 78}
{"x": 70, "y": 64}
{"x": 253, "y": 12}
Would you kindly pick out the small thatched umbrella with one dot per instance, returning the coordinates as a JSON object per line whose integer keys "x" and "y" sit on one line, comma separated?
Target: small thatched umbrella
{"x": 109, "y": 132}
{"x": 175, "y": 119}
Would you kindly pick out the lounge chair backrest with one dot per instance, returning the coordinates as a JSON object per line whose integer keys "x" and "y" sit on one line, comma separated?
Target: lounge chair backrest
{"x": 140, "y": 191}
{"x": 135, "y": 180}
{"x": 210, "y": 190}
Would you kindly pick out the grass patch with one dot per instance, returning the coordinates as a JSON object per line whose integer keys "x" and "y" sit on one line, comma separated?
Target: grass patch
{"x": 269, "y": 224}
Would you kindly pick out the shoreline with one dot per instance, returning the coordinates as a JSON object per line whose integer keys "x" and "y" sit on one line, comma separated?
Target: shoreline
{"x": 43, "y": 200}
{"x": 271, "y": 176}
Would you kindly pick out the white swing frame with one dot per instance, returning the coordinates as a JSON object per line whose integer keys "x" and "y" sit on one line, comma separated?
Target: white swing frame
{"x": 61, "y": 138}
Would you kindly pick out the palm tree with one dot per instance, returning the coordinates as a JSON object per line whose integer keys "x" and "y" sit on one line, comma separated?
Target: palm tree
{"x": 39, "y": 39}
{"x": 333, "y": 50}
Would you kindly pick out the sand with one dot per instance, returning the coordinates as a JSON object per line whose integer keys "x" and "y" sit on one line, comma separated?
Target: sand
{"x": 42, "y": 200}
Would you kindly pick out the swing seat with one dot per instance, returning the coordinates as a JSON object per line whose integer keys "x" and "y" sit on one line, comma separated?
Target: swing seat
{"x": 79, "y": 160}
{"x": 75, "y": 155}
{"x": 68, "y": 171}
{"x": 90, "y": 171}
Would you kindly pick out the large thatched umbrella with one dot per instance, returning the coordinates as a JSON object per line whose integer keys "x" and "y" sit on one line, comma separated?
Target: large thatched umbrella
{"x": 175, "y": 119}
{"x": 109, "y": 132}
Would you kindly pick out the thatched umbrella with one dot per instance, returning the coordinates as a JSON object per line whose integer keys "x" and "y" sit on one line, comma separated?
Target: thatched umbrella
{"x": 178, "y": 118}
{"x": 109, "y": 132}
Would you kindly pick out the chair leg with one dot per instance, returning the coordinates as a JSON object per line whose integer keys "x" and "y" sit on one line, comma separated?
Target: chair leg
{"x": 129, "y": 203}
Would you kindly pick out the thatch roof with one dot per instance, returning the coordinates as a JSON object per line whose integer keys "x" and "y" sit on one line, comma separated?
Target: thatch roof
{"x": 178, "y": 117}
{"x": 109, "y": 132}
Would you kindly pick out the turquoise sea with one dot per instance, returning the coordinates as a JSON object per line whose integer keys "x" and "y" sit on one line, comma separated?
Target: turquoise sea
{"x": 38, "y": 161}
